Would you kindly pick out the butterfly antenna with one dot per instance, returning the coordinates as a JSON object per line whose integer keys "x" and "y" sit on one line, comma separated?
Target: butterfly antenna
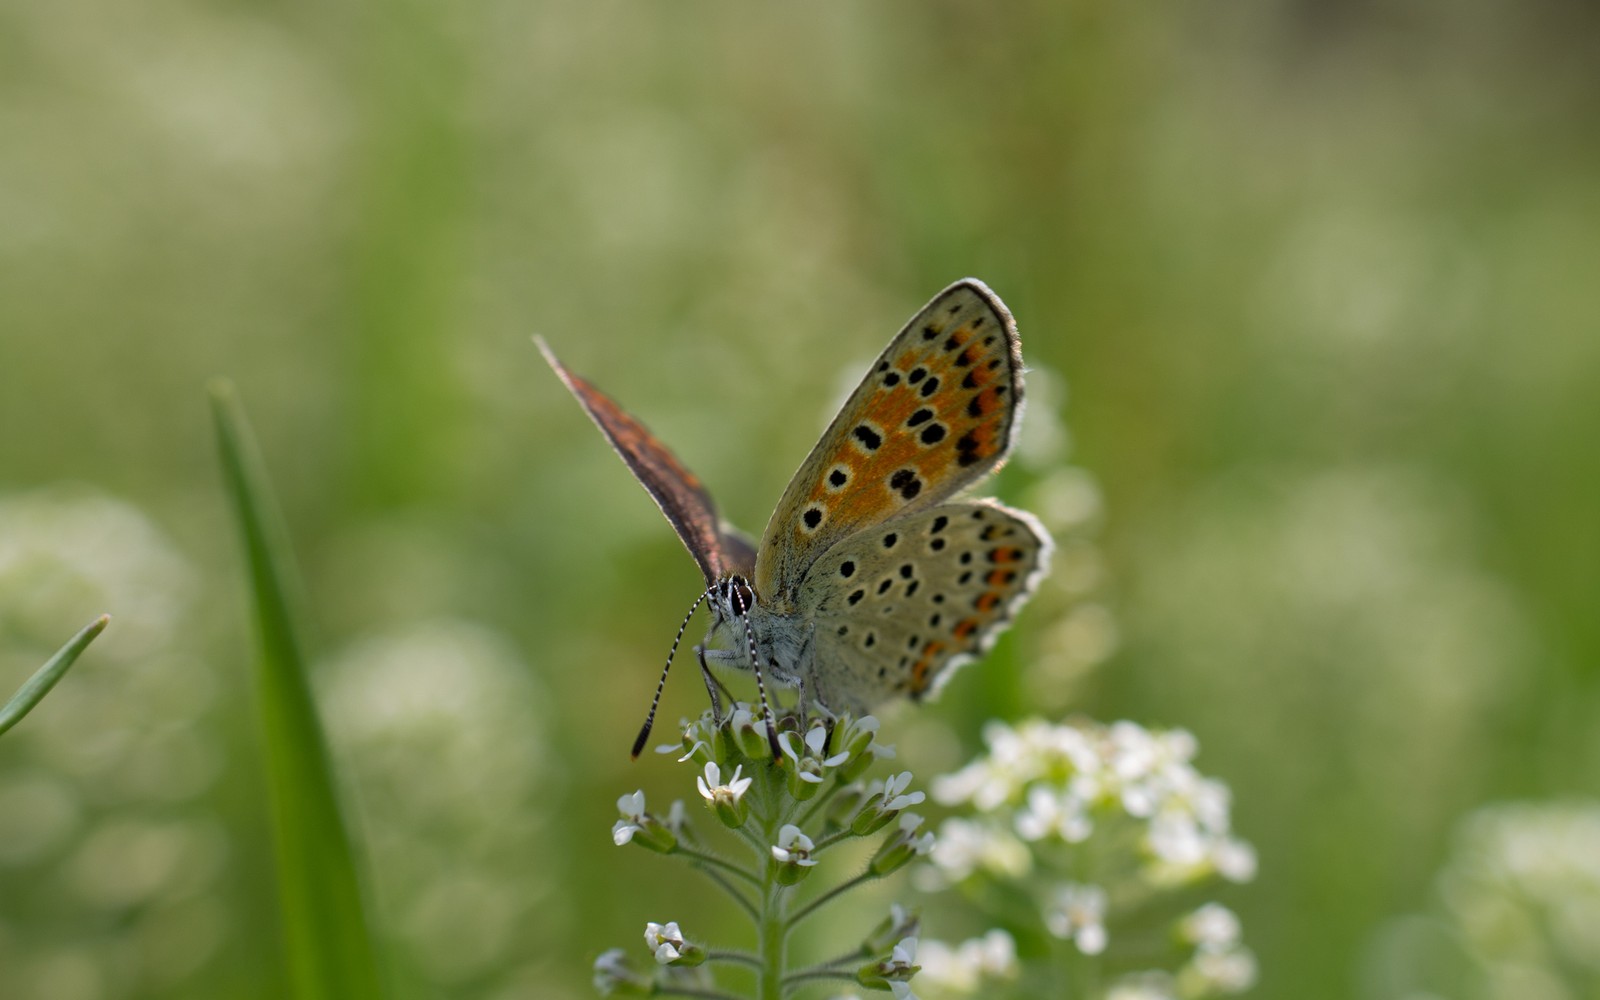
{"x": 761, "y": 687}
{"x": 661, "y": 685}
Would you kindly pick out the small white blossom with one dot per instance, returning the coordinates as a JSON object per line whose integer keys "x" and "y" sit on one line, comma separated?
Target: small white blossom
{"x": 1211, "y": 972}
{"x": 611, "y": 970}
{"x": 965, "y": 847}
{"x": 1234, "y": 859}
{"x": 665, "y": 941}
{"x": 1050, "y": 812}
{"x": 899, "y": 969}
{"x": 1213, "y": 927}
{"x": 964, "y": 967}
{"x": 810, "y": 765}
{"x": 1143, "y": 986}
{"x": 632, "y": 809}
{"x": 922, "y": 844}
{"x": 793, "y": 847}
{"x": 712, "y": 789}
{"x": 1078, "y": 915}
{"x": 895, "y": 795}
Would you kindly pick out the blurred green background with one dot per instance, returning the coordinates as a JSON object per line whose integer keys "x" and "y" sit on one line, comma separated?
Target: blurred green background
{"x": 1321, "y": 278}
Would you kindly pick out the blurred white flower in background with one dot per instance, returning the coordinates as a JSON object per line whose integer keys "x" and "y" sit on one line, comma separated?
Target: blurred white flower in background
{"x": 1353, "y": 595}
{"x": 101, "y": 786}
{"x": 439, "y": 724}
{"x": 966, "y": 968}
{"x": 1518, "y": 914}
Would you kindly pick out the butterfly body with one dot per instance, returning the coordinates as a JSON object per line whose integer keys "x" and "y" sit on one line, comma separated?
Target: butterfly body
{"x": 872, "y": 580}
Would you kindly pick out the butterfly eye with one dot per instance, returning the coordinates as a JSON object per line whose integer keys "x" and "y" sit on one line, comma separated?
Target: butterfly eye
{"x": 740, "y": 599}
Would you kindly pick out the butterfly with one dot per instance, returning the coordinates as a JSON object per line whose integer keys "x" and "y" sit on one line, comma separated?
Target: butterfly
{"x": 872, "y": 580}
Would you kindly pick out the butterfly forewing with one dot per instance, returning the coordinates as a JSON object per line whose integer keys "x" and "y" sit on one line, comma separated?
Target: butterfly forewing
{"x": 934, "y": 414}
{"x": 717, "y": 550}
{"x": 898, "y": 606}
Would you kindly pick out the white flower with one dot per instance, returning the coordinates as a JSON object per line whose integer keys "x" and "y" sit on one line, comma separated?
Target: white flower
{"x": 712, "y": 789}
{"x": 923, "y": 845}
{"x": 965, "y": 846}
{"x": 793, "y": 847}
{"x": 963, "y": 968}
{"x": 694, "y": 748}
{"x": 816, "y": 740}
{"x": 1143, "y": 986}
{"x": 1234, "y": 859}
{"x": 1048, "y": 812}
{"x": 1213, "y": 927}
{"x": 895, "y": 795}
{"x": 1078, "y": 915}
{"x": 665, "y": 941}
{"x": 1211, "y": 972}
{"x": 632, "y": 809}
{"x": 1175, "y": 839}
{"x": 900, "y": 968}
{"x": 610, "y": 971}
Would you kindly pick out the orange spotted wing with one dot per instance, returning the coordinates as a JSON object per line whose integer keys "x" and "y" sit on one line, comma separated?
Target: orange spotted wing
{"x": 935, "y": 413}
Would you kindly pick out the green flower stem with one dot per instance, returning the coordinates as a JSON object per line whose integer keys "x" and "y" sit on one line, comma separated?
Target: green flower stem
{"x": 690, "y": 991}
{"x": 771, "y": 927}
{"x": 818, "y": 973}
{"x": 39, "y": 685}
{"x": 831, "y": 839}
{"x": 705, "y": 858}
{"x": 848, "y": 958}
{"x": 732, "y": 890}
{"x": 736, "y": 957}
{"x": 838, "y": 890}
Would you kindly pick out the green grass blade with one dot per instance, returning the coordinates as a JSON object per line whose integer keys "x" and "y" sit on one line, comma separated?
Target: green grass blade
{"x": 39, "y": 685}
{"x": 330, "y": 949}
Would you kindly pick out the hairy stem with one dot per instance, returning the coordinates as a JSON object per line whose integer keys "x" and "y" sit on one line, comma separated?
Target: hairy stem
{"x": 827, "y": 897}
{"x": 771, "y": 927}
{"x": 705, "y": 858}
{"x": 732, "y": 890}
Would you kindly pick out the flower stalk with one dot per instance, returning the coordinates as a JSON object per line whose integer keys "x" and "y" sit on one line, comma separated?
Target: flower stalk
{"x": 780, "y": 811}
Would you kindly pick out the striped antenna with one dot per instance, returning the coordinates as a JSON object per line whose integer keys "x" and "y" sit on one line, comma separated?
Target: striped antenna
{"x": 655, "y": 703}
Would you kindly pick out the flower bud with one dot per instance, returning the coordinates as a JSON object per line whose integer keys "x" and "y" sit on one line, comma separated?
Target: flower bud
{"x": 898, "y": 924}
{"x": 639, "y": 827}
{"x": 750, "y": 735}
{"x": 899, "y": 967}
{"x": 667, "y": 943}
{"x": 902, "y": 845}
{"x": 856, "y": 739}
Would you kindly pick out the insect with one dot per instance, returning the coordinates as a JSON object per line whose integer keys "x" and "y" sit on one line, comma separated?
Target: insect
{"x": 871, "y": 580}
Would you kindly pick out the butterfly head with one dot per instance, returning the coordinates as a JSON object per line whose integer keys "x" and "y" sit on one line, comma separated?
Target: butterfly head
{"x": 731, "y": 598}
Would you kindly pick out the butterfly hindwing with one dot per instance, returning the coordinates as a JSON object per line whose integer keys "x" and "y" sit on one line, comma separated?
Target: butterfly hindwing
{"x": 934, "y": 414}
{"x": 717, "y": 549}
{"x": 899, "y": 606}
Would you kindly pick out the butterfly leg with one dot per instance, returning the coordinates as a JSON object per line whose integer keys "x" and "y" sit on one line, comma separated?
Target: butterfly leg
{"x": 712, "y": 684}
{"x": 802, "y": 716}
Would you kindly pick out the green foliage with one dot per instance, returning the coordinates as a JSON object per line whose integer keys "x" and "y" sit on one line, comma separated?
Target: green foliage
{"x": 326, "y": 937}
{"x": 39, "y": 685}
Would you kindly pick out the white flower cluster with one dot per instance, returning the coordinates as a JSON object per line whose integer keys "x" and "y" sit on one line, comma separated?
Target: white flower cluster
{"x": 965, "y": 968}
{"x": 1522, "y": 890}
{"x": 1056, "y": 782}
{"x": 1093, "y": 821}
